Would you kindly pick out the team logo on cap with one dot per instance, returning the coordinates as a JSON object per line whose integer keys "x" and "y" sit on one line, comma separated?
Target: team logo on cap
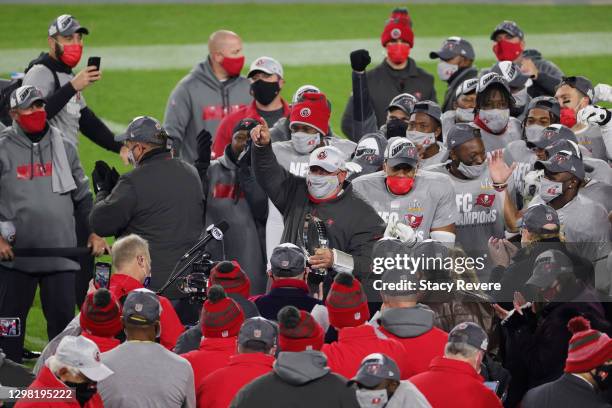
{"x": 396, "y": 33}
{"x": 257, "y": 333}
{"x": 284, "y": 264}
{"x": 559, "y": 159}
{"x": 357, "y": 316}
{"x": 138, "y": 307}
{"x": 305, "y": 112}
{"x": 549, "y": 133}
{"x": 260, "y": 62}
{"x": 322, "y": 155}
{"x": 97, "y": 356}
{"x": 549, "y": 217}
{"x": 373, "y": 369}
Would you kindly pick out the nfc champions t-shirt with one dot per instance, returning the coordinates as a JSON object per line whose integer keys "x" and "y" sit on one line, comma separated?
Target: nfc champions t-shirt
{"x": 494, "y": 142}
{"x": 481, "y": 210}
{"x": 429, "y": 204}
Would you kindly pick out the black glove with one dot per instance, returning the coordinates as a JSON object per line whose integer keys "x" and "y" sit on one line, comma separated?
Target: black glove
{"x": 104, "y": 178}
{"x": 204, "y": 140}
{"x": 360, "y": 59}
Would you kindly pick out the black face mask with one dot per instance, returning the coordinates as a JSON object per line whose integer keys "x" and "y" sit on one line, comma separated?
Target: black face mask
{"x": 603, "y": 377}
{"x": 265, "y": 92}
{"x": 84, "y": 391}
{"x": 396, "y": 127}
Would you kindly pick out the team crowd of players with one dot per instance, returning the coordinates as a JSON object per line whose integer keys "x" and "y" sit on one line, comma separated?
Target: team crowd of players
{"x": 508, "y": 179}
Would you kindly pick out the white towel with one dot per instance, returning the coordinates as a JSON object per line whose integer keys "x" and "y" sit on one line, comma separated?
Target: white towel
{"x": 62, "y": 180}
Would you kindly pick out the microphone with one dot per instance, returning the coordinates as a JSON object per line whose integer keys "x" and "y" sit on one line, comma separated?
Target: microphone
{"x": 212, "y": 232}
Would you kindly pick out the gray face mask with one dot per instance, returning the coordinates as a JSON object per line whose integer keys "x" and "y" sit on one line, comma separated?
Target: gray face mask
{"x": 533, "y": 132}
{"x": 464, "y": 115}
{"x": 473, "y": 171}
{"x": 549, "y": 190}
{"x": 372, "y": 398}
{"x": 305, "y": 143}
{"x": 321, "y": 186}
{"x": 495, "y": 119}
{"x": 420, "y": 138}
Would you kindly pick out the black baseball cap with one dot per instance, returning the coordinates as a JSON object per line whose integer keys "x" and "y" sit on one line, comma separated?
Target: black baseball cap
{"x": 452, "y": 47}
{"x": 24, "y": 96}
{"x": 369, "y": 152}
{"x": 430, "y": 108}
{"x": 141, "y": 307}
{"x": 287, "y": 260}
{"x": 548, "y": 266}
{"x": 258, "y": 329}
{"x": 569, "y": 145}
{"x": 467, "y": 87}
{"x": 401, "y": 151}
{"x": 245, "y": 124}
{"x": 490, "y": 79}
{"x": 540, "y": 219}
{"x": 374, "y": 369}
{"x": 583, "y": 84}
{"x": 551, "y": 134}
{"x": 460, "y": 133}
{"x": 509, "y": 27}
{"x": 567, "y": 160}
{"x": 547, "y": 103}
{"x": 469, "y": 333}
{"x": 144, "y": 129}
{"x": 66, "y": 25}
{"x": 404, "y": 102}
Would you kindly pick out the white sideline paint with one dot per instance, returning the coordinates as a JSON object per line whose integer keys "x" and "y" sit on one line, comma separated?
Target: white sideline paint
{"x": 300, "y": 53}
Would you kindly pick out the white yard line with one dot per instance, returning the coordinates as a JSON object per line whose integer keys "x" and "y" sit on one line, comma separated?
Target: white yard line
{"x": 300, "y": 53}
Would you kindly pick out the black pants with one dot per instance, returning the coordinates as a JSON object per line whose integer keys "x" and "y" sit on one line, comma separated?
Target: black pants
{"x": 17, "y": 291}
{"x": 87, "y": 265}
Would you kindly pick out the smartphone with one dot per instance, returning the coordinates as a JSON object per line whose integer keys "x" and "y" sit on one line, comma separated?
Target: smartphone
{"x": 102, "y": 275}
{"x": 94, "y": 61}
{"x": 492, "y": 385}
{"x": 10, "y": 327}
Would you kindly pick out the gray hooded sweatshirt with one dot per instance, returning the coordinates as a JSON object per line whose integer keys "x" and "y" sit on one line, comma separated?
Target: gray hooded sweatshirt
{"x": 201, "y": 101}
{"x": 42, "y": 218}
{"x": 298, "y": 379}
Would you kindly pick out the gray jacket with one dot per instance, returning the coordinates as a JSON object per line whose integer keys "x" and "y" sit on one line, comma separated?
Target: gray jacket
{"x": 201, "y": 101}
{"x": 42, "y": 218}
{"x": 226, "y": 201}
{"x": 162, "y": 201}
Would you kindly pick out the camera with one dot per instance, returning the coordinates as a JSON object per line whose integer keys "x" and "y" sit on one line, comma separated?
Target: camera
{"x": 196, "y": 282}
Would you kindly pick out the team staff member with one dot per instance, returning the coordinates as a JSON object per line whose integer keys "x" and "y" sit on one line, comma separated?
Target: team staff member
{"x": 325, "y": 194}
{"x": 44, "y": 190}
{"x": 66, "y": 107}
{"x": 510, "y": 46}
{"x": 396, "y": 74}
{"x": 211, "y": 91}
{"x": 456, "y": 65}
{"x": 266, "y": 76}
{"x": 417, "y": 198}
{"x": 161, "y": 196}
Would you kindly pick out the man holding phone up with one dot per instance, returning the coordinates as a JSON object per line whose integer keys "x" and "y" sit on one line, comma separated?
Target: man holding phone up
{"x": 66, "y": 107}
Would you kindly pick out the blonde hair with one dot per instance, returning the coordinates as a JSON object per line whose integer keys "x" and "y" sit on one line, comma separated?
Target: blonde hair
{"x": 126, "y": 249}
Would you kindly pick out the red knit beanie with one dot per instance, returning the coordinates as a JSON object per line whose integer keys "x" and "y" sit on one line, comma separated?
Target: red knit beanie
{"x": 399, "y": 26}
{"x": 298, "y": 330}
{"x": 588, "y": 348}
{"x": 313, "y": 111}
{"x": 100, "y": 314}
{"x": 231, "y": 277}
{"x": 221, "y": 316}
{"x": 346, "y": 302}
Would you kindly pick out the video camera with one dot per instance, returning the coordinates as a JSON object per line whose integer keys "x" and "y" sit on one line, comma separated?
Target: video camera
{"x": 196, "y": 282}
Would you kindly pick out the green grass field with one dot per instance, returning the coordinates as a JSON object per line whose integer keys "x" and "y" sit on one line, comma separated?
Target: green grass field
{"x": 123, "y": 94}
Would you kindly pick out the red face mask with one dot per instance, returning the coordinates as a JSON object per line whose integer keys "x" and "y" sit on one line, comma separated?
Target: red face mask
{"x": 398, "y": 52}
{"x": 233, "y": 66}
{"x": 33, "y": 122}
{"x": 72, "y": 54}
{"x": 568, "y": 117}
{"x": 507, "y": 51}
{"x": 399, "y": 185}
